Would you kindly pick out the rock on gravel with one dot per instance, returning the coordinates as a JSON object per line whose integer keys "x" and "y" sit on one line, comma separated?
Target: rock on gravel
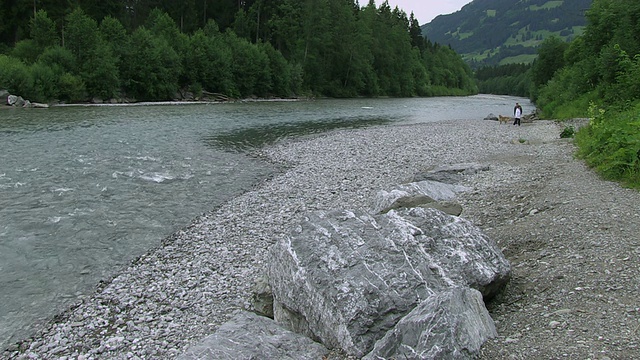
{"x": 572, "y": 240}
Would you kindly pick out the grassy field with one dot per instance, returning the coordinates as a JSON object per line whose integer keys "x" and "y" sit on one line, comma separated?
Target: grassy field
{"x": 547, "y": 5}
{"x": 520, "y": 59}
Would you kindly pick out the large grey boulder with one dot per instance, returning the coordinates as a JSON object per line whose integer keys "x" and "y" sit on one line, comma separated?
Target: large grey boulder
{"x": 345, "y": 278}
{"x": 449, "y": 325}
{"x": 249, "y": 336}
{"x": 431, "y": 188}
{"x": 15, "y": 100}
{"x": 428, "y": 193}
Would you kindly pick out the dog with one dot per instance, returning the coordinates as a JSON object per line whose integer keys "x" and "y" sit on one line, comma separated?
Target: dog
{"x": 504, "y": 119}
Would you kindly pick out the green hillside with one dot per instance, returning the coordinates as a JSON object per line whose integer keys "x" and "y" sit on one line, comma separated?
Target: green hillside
{"x": 498, "y": 32}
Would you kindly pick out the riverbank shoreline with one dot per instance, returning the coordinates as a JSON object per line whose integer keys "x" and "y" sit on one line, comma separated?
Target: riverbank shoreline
{"x": 177, "y": 102}
{"x": 532, "y": 201}
{"x": 211, "y": 99}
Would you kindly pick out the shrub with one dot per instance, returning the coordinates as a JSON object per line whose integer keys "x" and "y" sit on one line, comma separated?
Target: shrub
{"x": 567, "y": 133}
{"x": 15, "y": 76}
{"x": 611, "y": 144}
{"x": 44, "y": 83}
{"x": 26, "y": 50}
{"x": 71, "y": 88}
{"x": 58, "y": 56}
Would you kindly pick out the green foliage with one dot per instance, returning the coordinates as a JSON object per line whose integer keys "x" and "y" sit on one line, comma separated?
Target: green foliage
{"x": 44, "y": 83}
{"x": 613, "y": 22}
{"x": 511, "y": 79}
{"x": 550, "y": 59}
{"x": 196, "y": 89}
{"x": 208, "y": 63}
{"x": 26, "y": 50}
{"x": 96, "y": 63}
{"x": 280, "y": 48}
{"x": 281, "y": 81}
{"x": 113, "y": 33}
{"x": 163, "y": 26}
{"x": 43, "y": 30}
{"x": 14, "y": 75}
{"x": 81, "y": 37}
{"x": 150, "y": 68}
{"x": 71, "y": 88}
{"x": 44, "y": 80}
{"x": 499, "y": 32}
{"x": 448, "y": 70}
{"x": 568, "y": 132}
{"x": 250, "y": 69}
{"x": 598, "y": 67}
{"x": 58, "y": 57}
{"x": 4, "y": 49}
{"x": 600, "y": 73}
{"x": 100, "y": 72}
{"x": 611, "y": 144}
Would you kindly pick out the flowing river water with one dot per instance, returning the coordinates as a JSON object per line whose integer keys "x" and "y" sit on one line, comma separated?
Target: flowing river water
{"x": 85, "y": 190}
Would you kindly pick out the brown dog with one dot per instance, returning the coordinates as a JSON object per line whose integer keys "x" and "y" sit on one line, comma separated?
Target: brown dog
{"x": 504, "y": 119}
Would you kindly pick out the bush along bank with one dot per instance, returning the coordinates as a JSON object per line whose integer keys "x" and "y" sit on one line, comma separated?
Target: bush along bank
{"x": 597, "y": 75}
{"x": 610, "y": 143}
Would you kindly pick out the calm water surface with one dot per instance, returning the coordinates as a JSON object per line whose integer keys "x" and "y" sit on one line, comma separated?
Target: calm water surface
{"x": 85, "y": 190}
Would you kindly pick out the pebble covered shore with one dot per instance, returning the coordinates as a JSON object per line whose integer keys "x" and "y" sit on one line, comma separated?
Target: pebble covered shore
{"x": 185, "y": 289}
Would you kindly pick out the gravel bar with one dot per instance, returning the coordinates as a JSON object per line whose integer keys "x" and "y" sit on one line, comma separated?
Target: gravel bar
{"x": 571, "y": 237}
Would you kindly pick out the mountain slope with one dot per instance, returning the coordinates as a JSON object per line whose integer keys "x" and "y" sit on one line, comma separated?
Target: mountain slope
{"x": 492, "y": 32}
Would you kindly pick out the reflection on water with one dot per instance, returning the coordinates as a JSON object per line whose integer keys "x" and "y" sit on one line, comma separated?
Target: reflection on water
{"x": 256, "y": 137}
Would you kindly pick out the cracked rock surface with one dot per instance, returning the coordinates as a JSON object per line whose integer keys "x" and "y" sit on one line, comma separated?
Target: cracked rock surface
{"x": 572, "y": 240}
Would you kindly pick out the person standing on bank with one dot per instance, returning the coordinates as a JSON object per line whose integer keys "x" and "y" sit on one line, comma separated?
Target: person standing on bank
{"x": 517, "y": 114}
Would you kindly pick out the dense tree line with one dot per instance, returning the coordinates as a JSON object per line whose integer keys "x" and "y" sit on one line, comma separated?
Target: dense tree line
{"x": 510, "y": 79}
{"x": 601, "y": 66}
{"x": 151, "y": 49}
{"x": 189, "y": 15}
{"x": 598, "y": 75}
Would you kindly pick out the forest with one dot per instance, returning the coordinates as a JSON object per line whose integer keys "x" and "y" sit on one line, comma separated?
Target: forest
{"x": 509, "y": 79}
{"x": 598, "y": 76}
{"x": 152, "y": 50}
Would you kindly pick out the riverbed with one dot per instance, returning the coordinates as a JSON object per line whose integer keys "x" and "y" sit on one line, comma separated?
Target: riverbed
{"x": 87, "y": 190}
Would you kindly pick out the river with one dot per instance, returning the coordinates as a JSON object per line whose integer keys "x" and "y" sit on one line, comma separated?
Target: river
{"x": 85, "y": 190}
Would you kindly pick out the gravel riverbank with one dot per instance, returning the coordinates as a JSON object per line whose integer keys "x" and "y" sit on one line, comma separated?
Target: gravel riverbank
{"x": 572, "y": 239}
